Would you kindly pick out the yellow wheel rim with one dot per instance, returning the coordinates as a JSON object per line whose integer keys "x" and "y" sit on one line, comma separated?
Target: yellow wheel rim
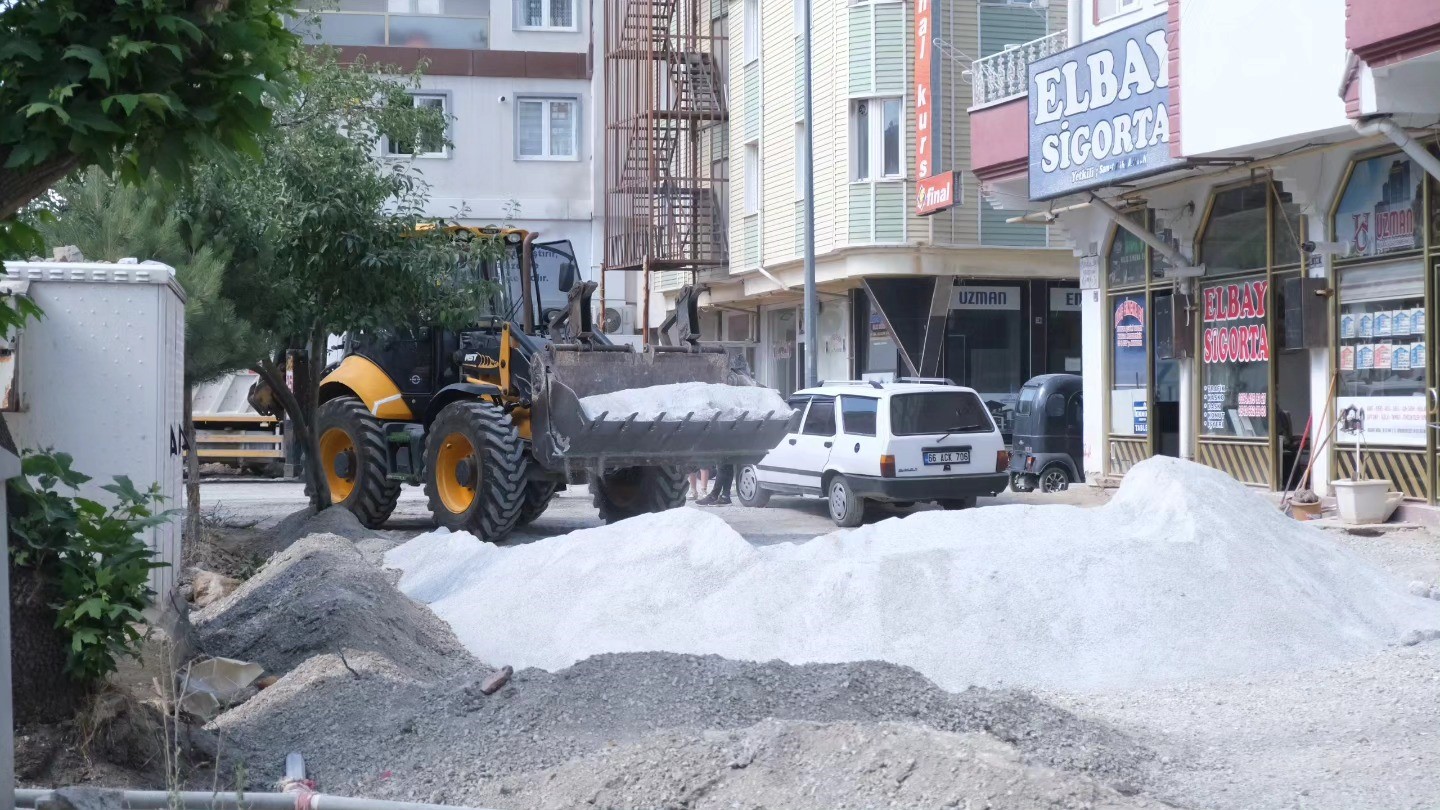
{"x": 456, "y": 493}
{"x": 333, "y": 444}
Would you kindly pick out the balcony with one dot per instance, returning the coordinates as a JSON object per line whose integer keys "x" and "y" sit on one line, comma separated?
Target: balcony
{"x": 451, "y": 24}
{"x": 1004, "y": 76}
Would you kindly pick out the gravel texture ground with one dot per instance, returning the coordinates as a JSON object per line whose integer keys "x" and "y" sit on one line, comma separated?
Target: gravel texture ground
{"x": 806, "y": 765}
{"x": 444, "y": 741}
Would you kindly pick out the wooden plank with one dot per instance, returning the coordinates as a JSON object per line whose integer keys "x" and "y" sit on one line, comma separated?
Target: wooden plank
{"x": 247, "y": 418}
{"x": 239, "y": 438}
{"x": 216, "y": 452}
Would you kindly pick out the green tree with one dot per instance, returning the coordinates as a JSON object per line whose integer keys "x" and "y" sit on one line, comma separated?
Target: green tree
{"x": 110, "y": 220}
{"x": 325, "y": 231}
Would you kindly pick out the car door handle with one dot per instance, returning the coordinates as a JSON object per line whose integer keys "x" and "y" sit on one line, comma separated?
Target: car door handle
{"x": 792, "y": 441}
{"x": 828, "y": 444}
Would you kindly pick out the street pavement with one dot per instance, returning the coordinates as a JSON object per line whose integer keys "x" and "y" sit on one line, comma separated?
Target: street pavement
{"x": 263, "y": 503}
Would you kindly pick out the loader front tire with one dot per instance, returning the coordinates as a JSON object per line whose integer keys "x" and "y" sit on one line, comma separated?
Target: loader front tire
{"x": 475, "y": 470}
{"x": 631, "y": 491}
{"x": 537, "y": 500}
{"x": 352, "y": 458}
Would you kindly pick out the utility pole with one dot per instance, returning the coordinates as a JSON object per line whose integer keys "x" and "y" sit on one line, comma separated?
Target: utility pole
{"x": 812, "y": 307}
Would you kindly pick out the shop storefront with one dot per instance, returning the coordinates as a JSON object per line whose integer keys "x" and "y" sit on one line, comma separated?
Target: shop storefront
{"x": 987, "y": 334}
{"x": 1382, "y": 332}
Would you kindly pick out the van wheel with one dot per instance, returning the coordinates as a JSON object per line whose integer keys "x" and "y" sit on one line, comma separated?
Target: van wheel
{"x": 748, "y": 489}
{"x": 1054, "y": 479}
{"x": 1020, "y": 482}
{"x": 846, "y": 508}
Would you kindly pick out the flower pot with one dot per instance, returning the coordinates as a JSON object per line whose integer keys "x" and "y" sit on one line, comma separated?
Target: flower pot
{"x": 1306, "y": 511}
{"x": 1363, "y": 501}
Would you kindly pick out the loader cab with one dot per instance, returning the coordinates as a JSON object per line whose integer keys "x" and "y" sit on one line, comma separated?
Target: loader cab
{"x": 422, "y": 359}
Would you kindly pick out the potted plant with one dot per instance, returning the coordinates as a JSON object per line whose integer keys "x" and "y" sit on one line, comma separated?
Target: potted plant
{"x": 1360, "y": 499}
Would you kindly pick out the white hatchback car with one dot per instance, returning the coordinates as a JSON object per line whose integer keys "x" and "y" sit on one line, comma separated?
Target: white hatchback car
{"x": 893, "y": 442}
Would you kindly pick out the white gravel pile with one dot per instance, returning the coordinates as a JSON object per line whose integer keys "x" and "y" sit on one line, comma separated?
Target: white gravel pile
{"x": 1184, "y": 574}
{"x": 702, "y": 400}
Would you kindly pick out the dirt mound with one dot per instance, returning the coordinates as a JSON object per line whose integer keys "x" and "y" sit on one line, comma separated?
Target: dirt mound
{"x": 320, "y": 596}
{"x": 448, "y": 739}
{"x": 303, "y": 523}
{"x": 807, "y": 765}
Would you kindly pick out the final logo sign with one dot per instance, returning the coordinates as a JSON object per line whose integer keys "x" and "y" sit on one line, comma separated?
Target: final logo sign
{"x": 1099, "y": 112}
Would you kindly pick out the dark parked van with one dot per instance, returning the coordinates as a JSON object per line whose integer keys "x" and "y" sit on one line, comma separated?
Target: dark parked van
{"x": 1048, "y": 442}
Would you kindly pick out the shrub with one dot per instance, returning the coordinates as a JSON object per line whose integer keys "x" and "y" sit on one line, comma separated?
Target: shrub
{"x": 93, "y": 555}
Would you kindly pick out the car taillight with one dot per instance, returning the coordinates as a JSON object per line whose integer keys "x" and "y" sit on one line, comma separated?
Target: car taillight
{"x": 1002, "y": 460}
{"x": 887, "y": 466}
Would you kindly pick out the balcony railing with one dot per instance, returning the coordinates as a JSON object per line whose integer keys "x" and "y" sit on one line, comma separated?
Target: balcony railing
{"x": 1004, "y": 75}
{"x": 461, "y": 24}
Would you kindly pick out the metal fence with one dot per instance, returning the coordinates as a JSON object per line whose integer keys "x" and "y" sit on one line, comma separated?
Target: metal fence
{"x": 1005, "y": 75}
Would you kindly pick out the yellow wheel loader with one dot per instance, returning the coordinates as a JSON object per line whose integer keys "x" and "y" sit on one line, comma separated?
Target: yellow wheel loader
{"x": 488, "y": 417}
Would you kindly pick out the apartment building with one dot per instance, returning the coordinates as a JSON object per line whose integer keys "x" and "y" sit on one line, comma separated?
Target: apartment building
{"x": 1258, "y": 236}
{"x": 518, "y": 79}
{"x": 958, "y": 293}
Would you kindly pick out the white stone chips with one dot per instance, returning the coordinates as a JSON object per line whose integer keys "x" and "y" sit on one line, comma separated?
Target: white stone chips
{"x": 676, "y": 400}
{"x": 1184, "y": 574}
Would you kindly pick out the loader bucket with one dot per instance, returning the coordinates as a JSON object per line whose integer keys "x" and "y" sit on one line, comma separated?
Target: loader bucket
{"x": 564, "y": 435}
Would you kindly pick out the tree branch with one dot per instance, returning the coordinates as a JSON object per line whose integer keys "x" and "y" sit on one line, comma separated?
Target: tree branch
{"x": 18, "y": 188}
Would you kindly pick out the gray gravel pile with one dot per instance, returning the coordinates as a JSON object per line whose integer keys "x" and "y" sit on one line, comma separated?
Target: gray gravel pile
{"x": 303, "y": 523}
{"x": 320, "y": 596}
{"x": 806, "y": 765}
{"x": 446, "y": 741}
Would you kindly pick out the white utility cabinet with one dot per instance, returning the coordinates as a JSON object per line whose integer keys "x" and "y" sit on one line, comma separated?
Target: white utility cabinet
{"x": 100, "y": 377}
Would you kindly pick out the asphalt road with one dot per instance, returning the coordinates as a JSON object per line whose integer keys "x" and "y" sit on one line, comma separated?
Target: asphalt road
{"x": 263, "y": 503}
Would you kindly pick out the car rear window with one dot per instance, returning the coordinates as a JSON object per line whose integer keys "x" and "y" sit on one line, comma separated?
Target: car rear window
{"x": 938, "y": 412}
{"x": 1027, "y": 400}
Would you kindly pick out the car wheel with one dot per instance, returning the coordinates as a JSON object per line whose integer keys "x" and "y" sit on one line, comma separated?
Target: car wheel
{"x": 1054, "y": 479}
{"x": 951, "y": 504}
{"x": 748, "y": 489}
{"x": 846, "y": 508}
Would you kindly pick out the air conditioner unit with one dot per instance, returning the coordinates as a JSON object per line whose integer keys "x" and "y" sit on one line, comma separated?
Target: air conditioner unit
{"x": 618, "y": 316}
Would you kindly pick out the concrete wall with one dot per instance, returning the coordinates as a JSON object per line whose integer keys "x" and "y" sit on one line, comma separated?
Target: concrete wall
{"x": 1255, "y": 74}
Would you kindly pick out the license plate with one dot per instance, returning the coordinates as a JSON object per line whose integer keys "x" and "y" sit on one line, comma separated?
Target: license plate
{"x": 948, "y": 457}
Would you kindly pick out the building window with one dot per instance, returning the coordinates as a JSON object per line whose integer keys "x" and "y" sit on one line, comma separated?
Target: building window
{"x": 752, "y": 30}
{"x": 1130, "y": 368}
{"x": 752, "y": 178}
{"x": 800, "y": 17}
{"x": 540, "y": 15}
{"x": 1105, "y": 9}
{"x": 458, "y": 24}
{"x": 875, "y": 128}
{"x": 416, "y": 146}
{"x": 546, "y": 128}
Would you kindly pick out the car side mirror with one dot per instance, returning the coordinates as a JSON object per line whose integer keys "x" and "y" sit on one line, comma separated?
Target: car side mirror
{"x": 567, "y": 276}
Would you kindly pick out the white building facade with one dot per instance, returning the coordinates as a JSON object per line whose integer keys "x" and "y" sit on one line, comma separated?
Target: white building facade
{"x": 518, "y": 80}
{"x": 1249, "y": 190}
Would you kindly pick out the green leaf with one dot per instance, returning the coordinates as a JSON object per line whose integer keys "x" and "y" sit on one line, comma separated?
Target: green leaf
{"x": 13, "y": 47}
{"x": 127, "y": 101}
{"x": 38, "y": 107}
{"x": 98, "y": 68}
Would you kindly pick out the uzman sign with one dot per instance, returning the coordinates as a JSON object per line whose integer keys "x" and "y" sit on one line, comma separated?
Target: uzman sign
{"x": 1099, "y": 112}
{"x": 934, "y": 191}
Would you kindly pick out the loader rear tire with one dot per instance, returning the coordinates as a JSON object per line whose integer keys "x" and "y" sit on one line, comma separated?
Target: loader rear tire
{"x": 631, "y": 491}
{"x": 475, "y": 470}
{"x": 352, "y": 458}
{"x": 537, "y": 500}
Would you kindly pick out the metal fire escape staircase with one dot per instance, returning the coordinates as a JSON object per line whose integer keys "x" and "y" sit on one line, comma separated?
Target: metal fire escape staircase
{"x": 663, "y": 169}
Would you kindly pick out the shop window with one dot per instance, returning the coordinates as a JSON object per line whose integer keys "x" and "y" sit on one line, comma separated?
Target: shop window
{"x": 1130, "y": 370}
{"x": 1125, "y": 263}
{"x": 1383, "y": 351}
{"x": 1236, "y": 235}
{"x": 1289, "y": 230}
{"x": 1380, "y": 211}
{"x": 1235, "y": 359}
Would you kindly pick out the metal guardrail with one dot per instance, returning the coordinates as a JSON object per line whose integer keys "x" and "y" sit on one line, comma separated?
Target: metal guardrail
{"x": 1005, "y": 75}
